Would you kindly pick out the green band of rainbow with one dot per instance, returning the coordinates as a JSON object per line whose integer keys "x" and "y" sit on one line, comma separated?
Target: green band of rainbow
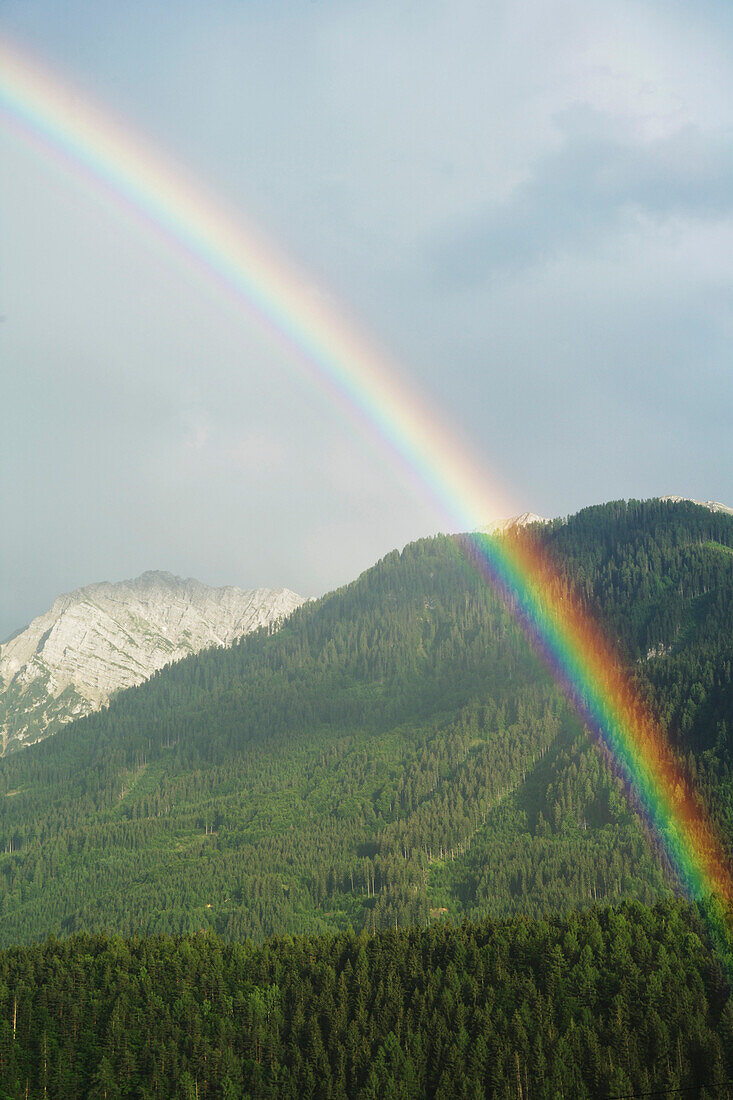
{"x": 118, "y": 164}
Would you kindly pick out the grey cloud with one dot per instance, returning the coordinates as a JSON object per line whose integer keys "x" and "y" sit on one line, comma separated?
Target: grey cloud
{"x": 598, "y": 181}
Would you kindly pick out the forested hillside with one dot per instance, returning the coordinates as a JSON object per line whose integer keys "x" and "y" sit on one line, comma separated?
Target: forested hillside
{"x": 609, "y": 1003}
{"x": 394, "y": 754}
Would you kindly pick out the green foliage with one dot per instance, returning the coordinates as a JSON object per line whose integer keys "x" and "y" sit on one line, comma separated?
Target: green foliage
{"x": 601, "y": 1003}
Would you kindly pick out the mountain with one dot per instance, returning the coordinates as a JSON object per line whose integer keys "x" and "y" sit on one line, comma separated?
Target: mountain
{"x": 394, "y": 754}
{"x": 99, "y": 639}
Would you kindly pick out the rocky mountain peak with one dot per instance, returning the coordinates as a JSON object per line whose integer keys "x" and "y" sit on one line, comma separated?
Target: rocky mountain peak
{"x": 112, "y": 635}
{"x": 522, "y": 520}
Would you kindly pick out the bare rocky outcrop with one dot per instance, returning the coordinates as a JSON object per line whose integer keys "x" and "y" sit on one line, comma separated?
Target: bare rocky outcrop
{"x": 104, "y": 637}
{"x": 500, "y": 525}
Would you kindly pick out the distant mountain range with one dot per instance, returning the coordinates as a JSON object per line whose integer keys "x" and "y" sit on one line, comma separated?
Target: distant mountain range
{"x": 96, "y": 640}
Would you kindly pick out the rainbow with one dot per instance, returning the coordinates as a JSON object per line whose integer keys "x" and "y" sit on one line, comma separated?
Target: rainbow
{"x": 117, "y": 164}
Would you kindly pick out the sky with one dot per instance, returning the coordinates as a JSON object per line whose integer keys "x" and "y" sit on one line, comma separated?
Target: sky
{"x": 528, "y": 206}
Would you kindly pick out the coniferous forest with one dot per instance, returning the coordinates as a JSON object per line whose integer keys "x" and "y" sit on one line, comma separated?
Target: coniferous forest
{"x": 395, "y": 781}
{"x": 605, "y": 1003}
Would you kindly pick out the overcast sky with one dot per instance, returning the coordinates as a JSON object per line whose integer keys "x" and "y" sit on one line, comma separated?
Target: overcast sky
{"x": 530, "y": 205}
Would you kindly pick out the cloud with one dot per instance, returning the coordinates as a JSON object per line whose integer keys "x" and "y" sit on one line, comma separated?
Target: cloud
{"x": 600, "y": 181}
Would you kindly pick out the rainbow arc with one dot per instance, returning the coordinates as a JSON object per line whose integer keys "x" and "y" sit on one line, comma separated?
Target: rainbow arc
{"x": 106, "y": 156}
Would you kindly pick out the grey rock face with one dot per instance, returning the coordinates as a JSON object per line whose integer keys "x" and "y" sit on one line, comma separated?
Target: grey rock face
{"x": 500, "y": 525}
{"x": 104, "y": 637}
